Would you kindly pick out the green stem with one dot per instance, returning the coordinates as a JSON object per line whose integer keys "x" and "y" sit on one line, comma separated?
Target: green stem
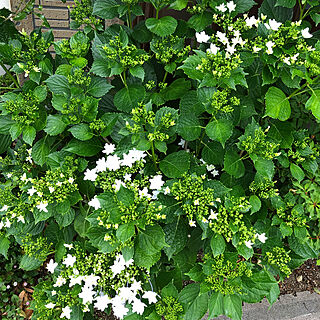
{"x": 7, "y": 88}
{"x": 123, "y": 78}
{"x": 10, "y": 75}
{"x": 165, "y": 76}
{"x": 129, "y": 17}
{"x": 154, "y": 156}
{"x": 157, "y": 14}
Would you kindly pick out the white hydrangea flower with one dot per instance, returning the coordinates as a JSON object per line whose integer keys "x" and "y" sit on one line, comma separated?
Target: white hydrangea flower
{"x": 213, "y": 49}
{"x": 4, "y": 208}
{"x": 202, "y": 37}
{"x": 66, "y": 312}
{"x": 192, "y": 223}
{"x": 252, "y": 21}
{"x": 60, "y": 282}
{"x": 222, "y": 7}
{"x": 42, "y": 206}
{"x": 222, "y": 38}
{"x": 113, "y": 162}
{"x": 248, "y": 244}
{"x": 306, "y": 34}
{"x": 138, "y": 306}
{"x": 102, "y": 302}
{"x": 101, "y": 165}
{"x": 151, "y": 296}
{"x": 50, "y": 305}
{"x": 156, "y": 182}
{"x": 231, "y": 6}
{"x": 262, "y": 237}
{"x": 269, "y": 45}
{"x": 69, "y": 260}
{"x": 273, "y": 25}
{"x": 51, "y": 266}
{"x": 109, "y": 148}
{"x": 87, "y": 294}
{"x": 95, "y": 203}
{"x": 90, "y": 174}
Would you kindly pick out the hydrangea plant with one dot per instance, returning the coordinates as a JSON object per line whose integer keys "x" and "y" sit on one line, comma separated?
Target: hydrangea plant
{"x": 161, "y": 167}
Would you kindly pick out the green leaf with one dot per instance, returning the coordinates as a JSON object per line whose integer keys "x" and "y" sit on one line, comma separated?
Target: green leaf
{"x": 270, "y": 9}
{"x": 313, "y": 103}
{"x": 125, "y": 232}
{"x": 233, "y": 306}
{"x": 40, "y": 151}
{"x": 233, "y": 164}
{"x": 5, "y": 124}
{"x": 244, "y": 5}
{"x": 277, "y": 104}
{"x": 219, "y": 130}
{"x": 189, "y": 293}
{"x": 40, "y": 92}
{"x": 216, "y": 305}
{"x": 5, "y": 142}
{"x": 244, "y": 251}
{"x": 304, "y": 249}
{"x": 175, "y": 164}
{"x": 197, "y": 308}
{"x": 217, "y": 244}
{"x": 109, "y": 120}
{"x": 141, "y": 259}
{"x": 58, "y": 84}
{"x": 188, "y": 126}
{"x": 212, "y": 152}
{"x": 296, "y": 172}
{"x": 162, "y": 27}
{"x": 286, "y": 3}
{"x": 87, "y": 148}
{"x": 55, "y": 125}
{"x": 29, "y": 263}
{"x": 128, "y": 97}
{"x": 282, "y": 133}
{"x": 125, "y": 196}
{"x": 96, "y": 236}
{"x": 264, "y": 167}
{"x": 98, "y": 87}
{"x": 255, "y": 203}
{"x": 81, "y": 131}
{"x": 106, "y": 9}
{"x": 176, "y": 236}
{"x": 64, "y": 219}
{"x": 4, "y": 246}
{"x": 100, "y": 68}
{"x": 179, "y": 4}
{"x": 138, "y": 72}
{"x": 285, "y": 229}
{"x": 176, "y": 89}
{"x": 151, "y": 240}
{"x": 29, "y": 134}
{"x": 200, "y": 21}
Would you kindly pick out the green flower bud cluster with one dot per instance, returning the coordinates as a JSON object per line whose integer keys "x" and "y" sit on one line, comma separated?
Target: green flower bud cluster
{"x": 77, "y": 109}
{"x": 38, "y": 249}
{"x": 79, "y": 78}
{"x": 36, "y": 46}
{"x": 65, "y": 50}
{"x": 54, "y": 186}
{"x": 169, "y": 308}
{"x": 196, "y": 9}
{"x": 145, "y": 120}
{"x": 221, "y": 103}
{"x": 170, "y": 48}
{"x": 24, "y": 109}
{"x": 127, "y": 56}
{"x": 313, "y": 63}
{"x": 292, "y": 217}
{"x": 265, "y": 189}
{"x": 196, "y": 199}
{"x": 230, "y": 220}
{"x": 81, "y": 13}
{"x": 218, "y": 65}
{"x": 279, "y": 257}
{"x": 224, "y": 274}
{"x": 229, "y": 25}
{"x": 150, "y": 85}
{"x": 259, "y": 145}
{"x": 97, "y": 125}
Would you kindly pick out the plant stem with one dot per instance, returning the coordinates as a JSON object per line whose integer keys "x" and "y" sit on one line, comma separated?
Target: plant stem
{"x": 7, "y": 88}
{"x": 165, "y": 76}
{"x": 129, "y": 17}
{"x": 123, "y": 78}
{"x": 157, "y": 14}
{"x": 10, "y": 75}
{"x": 154, "y": 156}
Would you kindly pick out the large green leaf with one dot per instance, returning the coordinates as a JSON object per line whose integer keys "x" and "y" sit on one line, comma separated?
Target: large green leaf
{"x": 217, "y": 244}
{"x": 58, "y": 84}
{"x": 87, "y": 148}
{"x": 233, "y": 306}
{"x": 197, "y": 308}
{"x": 29, "y": 134}
{"x": 212, "y": 152}
{"x": 40, "y": 151}
{"x": 215, "y": 305}
{"x": 277, "y": 104}
{"x": 233, "y": 164}
{"x": 128, "y": 97}
{"x": 81, "y": 131}
{"x": 29, "y": 263}
{"x": 176, "y": 89}
{"x": 175, "y": 164}
{"x": 219, "y": 130}
{"x": 162, "y": 27}
{"x": 286, "y": 3}
{"x": 4, "y": 246}
{"x": 313, "y": 103}
{"x": 106, "y": 9}
{"x": 55, "y": 125}
{"x": 5, "y": 142}
{"x": 99, "y": 87}
{"x": 189, "y": 127}
{"x": 272, "y": 11}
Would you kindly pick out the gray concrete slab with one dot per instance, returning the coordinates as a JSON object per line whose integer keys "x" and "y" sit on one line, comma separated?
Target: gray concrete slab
{"x": 304, "y": 306}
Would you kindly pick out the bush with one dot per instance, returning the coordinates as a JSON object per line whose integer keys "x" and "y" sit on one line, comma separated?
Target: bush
{"x": 160, "y": 167}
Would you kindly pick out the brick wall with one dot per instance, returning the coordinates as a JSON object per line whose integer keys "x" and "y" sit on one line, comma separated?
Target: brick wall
{"x": 55, "y": 11}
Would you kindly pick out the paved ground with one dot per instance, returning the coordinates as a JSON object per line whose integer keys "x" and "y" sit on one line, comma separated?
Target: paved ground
{"x": 304, "y": 306}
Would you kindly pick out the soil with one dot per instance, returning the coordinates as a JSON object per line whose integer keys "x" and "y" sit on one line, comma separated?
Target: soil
{"x": 305, "y": 278}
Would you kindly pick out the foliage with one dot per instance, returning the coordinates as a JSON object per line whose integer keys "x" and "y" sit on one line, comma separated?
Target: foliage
{"x": 159, "y": 168}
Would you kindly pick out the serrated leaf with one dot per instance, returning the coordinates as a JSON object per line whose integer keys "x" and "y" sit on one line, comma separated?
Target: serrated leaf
{"x": 81, "y": 131}
{"x": 188, "y": 126}
{"x": 219, "y": 130}
{"x": 313, "y": 103}
{"x": 162, "y": 27}
{"x": 175, "y": 164}
{"x": 217, "y": 244}
{"x": 277, "y": 104}
{"x": 233, "y": 164}
{"x": 40, "y": 151}
{"x": 55, "y": 125}
{"x": 128, "y": 97}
